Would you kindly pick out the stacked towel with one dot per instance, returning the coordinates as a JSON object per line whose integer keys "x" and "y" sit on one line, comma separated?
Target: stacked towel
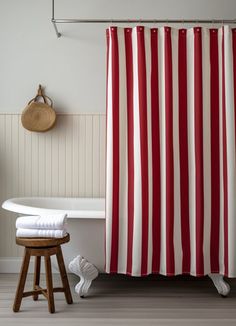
{"x": 37, "y": 233}
{"x": 50, "y": 226}
{"x": 50, "y": 222}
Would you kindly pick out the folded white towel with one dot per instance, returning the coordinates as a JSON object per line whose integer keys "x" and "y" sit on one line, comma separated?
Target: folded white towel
{"x": 47, "y": 222}
{"x": 37, "y": 233}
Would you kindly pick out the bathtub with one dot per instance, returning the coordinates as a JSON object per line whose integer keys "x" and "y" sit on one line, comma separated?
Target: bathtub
{"x": 86, "y": 223}
{"x": 84, "y": 254}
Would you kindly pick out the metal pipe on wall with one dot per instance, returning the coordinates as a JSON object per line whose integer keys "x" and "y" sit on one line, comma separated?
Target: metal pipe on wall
{"x": 56, "y": 21}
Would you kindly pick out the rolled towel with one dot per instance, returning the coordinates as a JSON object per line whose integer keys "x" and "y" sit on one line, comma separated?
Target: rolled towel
{"x": 37, "y": 233}
{"x": 47, "y": 222}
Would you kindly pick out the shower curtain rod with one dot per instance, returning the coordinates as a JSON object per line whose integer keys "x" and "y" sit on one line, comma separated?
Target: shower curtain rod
{"x": 137, "y": 21}
{"x": 56, "y": 21}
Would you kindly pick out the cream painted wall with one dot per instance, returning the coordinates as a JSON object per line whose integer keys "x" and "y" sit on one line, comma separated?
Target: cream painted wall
{"x": 73, "y": 68}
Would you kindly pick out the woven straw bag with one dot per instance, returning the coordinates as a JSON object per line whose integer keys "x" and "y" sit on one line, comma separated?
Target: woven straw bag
{"x": 39, "y": 116}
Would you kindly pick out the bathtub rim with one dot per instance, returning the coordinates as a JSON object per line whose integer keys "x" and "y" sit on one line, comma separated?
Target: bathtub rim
{"x": 13, "y": 205}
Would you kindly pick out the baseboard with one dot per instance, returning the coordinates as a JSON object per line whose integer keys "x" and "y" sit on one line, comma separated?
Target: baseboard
{"x": 13, "y": 265}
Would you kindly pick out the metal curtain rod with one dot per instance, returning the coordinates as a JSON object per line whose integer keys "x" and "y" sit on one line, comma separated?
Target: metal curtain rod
{"x": 56, "y": 21}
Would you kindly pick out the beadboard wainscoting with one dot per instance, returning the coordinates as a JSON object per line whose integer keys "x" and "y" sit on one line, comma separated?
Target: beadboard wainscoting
{"x": 67, "y": 161}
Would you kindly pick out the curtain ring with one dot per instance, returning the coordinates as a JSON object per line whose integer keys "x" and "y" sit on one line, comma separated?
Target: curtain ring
{"x": 213, "y": 23}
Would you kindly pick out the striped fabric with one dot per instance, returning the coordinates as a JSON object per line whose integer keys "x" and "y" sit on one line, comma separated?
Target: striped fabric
{"x": 171, "y": 177}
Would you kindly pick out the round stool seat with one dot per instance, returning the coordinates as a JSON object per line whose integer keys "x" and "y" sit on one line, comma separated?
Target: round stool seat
{"x": 42, "y": 242}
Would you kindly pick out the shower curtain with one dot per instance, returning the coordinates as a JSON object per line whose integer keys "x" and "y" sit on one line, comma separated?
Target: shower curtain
{"x": 171, "y": 136}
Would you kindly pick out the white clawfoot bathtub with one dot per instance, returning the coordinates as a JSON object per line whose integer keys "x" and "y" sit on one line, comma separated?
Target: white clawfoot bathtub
{"x": 86, "y": 225}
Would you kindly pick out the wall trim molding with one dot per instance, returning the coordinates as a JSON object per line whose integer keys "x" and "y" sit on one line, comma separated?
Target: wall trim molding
{"x": 12, "y": 265}
{"x": 60, "y": 113}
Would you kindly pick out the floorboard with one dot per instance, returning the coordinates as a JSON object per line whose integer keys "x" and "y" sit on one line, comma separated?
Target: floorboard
{"x": 120, "y": 300}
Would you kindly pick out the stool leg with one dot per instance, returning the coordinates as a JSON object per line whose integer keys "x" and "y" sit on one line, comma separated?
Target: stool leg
{"x": 36, "y": 275}
{"x": 51, "y": 306}
{"x": 64, "y": 278}
{"x": 22, "y": 279}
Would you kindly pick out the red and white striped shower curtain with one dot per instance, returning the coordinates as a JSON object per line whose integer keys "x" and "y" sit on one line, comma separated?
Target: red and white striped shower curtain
{"x": 171, "y": 137}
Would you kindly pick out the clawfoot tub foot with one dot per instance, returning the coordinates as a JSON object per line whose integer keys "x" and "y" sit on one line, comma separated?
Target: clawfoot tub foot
{"x": 87, "y": 273}
{"x": 221, "y": 285}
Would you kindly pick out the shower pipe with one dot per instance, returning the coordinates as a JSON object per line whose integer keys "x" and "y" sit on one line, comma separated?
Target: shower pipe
{"x": 56, "y": 21}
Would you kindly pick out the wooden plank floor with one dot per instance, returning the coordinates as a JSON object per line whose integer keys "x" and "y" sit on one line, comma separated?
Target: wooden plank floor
{"x": 119, "y": 300}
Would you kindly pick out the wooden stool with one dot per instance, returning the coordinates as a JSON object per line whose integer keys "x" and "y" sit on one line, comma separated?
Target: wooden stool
{"x": 39, "y": 247}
